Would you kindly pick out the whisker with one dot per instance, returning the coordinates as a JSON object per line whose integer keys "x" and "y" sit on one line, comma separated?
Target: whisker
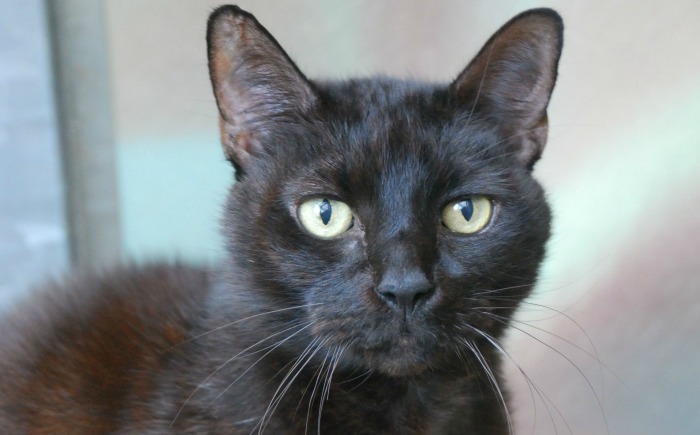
{"x": 367, "y": 374}
{"x": 595, "y": 355}
{"x": 588, "y": 382}
{"x": 325, "y": 393}
{"x": 317, "y": 377}
{"x": 492, "y": 380}
{"x": 300, "y": 363}
{"x": 337, "y": 357}
{"x": 545, "y": 399}
{"x": 574, "y": 280}
{"x": 504, "y": 320}
{"x": 239, "y": 321}
{"x": 228, "y": 361}
{"x": 487, "y": 292}
{"x": 281, "y": 342}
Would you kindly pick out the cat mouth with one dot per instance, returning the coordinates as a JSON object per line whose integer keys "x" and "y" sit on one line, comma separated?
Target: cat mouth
{"x": 404, "y": 355}
{"x": 395, "y": 346}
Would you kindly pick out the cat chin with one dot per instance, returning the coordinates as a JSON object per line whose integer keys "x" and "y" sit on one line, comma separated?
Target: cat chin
{"x": 383, "y": 364}
{"x": 403, "y": 357}
{"x": 401, "y": 369}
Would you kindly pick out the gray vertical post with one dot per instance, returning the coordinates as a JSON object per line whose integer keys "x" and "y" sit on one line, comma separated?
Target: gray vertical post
{"x": 81, "y": 64}
{"x": 33, "y": 234}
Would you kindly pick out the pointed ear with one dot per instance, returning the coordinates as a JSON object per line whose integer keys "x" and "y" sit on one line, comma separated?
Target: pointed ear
{"x": 512, "y": 78}
{"x": 256, "y": 85}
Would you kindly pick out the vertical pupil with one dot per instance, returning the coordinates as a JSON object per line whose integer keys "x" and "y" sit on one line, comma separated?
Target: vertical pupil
{"x": 466, "y": 207}
{"x": 324, "y": 210}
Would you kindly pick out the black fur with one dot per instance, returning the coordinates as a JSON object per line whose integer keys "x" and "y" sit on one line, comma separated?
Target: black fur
{"x": 291, "y": 334}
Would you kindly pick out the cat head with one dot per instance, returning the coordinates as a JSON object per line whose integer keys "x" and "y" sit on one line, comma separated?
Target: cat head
{"x": 403, "y": 216}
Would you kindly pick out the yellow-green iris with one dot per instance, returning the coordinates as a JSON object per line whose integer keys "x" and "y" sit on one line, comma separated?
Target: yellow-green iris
{"x": 467, "y": 216}
{"x": 325, "y": 218}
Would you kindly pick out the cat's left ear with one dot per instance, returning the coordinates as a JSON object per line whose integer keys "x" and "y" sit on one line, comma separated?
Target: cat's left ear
{"x": 257, "y": 86}
{"x": 512, "y": 78}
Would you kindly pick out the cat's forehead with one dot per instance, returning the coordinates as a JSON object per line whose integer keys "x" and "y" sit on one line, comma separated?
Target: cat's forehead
{"x": 380, "y": 97}
{"x": 383, "y": 140}
{"x": 394, "y": 143}
{"x": 390, "y": 124}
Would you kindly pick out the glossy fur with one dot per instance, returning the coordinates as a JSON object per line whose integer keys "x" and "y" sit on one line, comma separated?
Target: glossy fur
{"x": 293, "y": 333}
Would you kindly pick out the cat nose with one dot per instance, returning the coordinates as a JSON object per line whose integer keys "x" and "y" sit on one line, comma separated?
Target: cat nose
{"x": 403, "y": 291}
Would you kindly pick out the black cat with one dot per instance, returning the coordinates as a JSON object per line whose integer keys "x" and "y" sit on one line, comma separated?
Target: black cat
{"x": 380, "y": 235}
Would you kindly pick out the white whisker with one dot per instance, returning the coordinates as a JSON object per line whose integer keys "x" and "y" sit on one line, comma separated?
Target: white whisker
{"x": 228, "y": 361}
{"x": 317, "y": 377}
{"x": 281, "y": 342}
{"x": 300, "y": 363}
{"x": 240, "y": 321}
{"x": 569, "y": 360}
{"x": 492, "y": 380}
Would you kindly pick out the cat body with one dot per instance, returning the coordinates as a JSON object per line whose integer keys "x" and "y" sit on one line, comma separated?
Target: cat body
{"x": 380, "y": 235}
{"x": 121, "y": 357}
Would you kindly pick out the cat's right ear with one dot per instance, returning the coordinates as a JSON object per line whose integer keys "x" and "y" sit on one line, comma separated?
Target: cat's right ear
{"x": 256, "y": 85}
{"x": 511, "y": 80}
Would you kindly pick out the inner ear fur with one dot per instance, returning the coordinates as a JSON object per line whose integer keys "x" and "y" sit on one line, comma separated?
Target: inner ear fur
{"x": 256, "y": 85}
{"x": 511, "y": 80}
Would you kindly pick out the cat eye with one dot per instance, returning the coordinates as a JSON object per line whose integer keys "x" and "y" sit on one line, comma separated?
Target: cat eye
{"x": 467, "y": 216}
{"x": 325, "y": 218}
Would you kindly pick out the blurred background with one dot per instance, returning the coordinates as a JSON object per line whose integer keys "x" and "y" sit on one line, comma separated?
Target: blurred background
{"x": 109, "y": 152}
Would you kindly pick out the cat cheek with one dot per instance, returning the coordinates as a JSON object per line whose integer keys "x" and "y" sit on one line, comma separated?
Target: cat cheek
{"x": 453, "y": 262}
{"x": 339, "y": 307}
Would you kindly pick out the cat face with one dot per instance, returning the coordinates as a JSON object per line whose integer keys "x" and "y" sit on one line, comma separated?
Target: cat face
{"x": 401, "y": 215}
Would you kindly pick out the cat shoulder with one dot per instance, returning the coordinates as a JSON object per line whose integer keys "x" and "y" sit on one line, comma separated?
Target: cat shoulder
{"x": 120, "y": 302}
{"x": 85, "y": 338}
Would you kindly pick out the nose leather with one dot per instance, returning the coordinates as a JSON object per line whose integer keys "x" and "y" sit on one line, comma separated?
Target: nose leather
{"x": 403, "y": 289}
